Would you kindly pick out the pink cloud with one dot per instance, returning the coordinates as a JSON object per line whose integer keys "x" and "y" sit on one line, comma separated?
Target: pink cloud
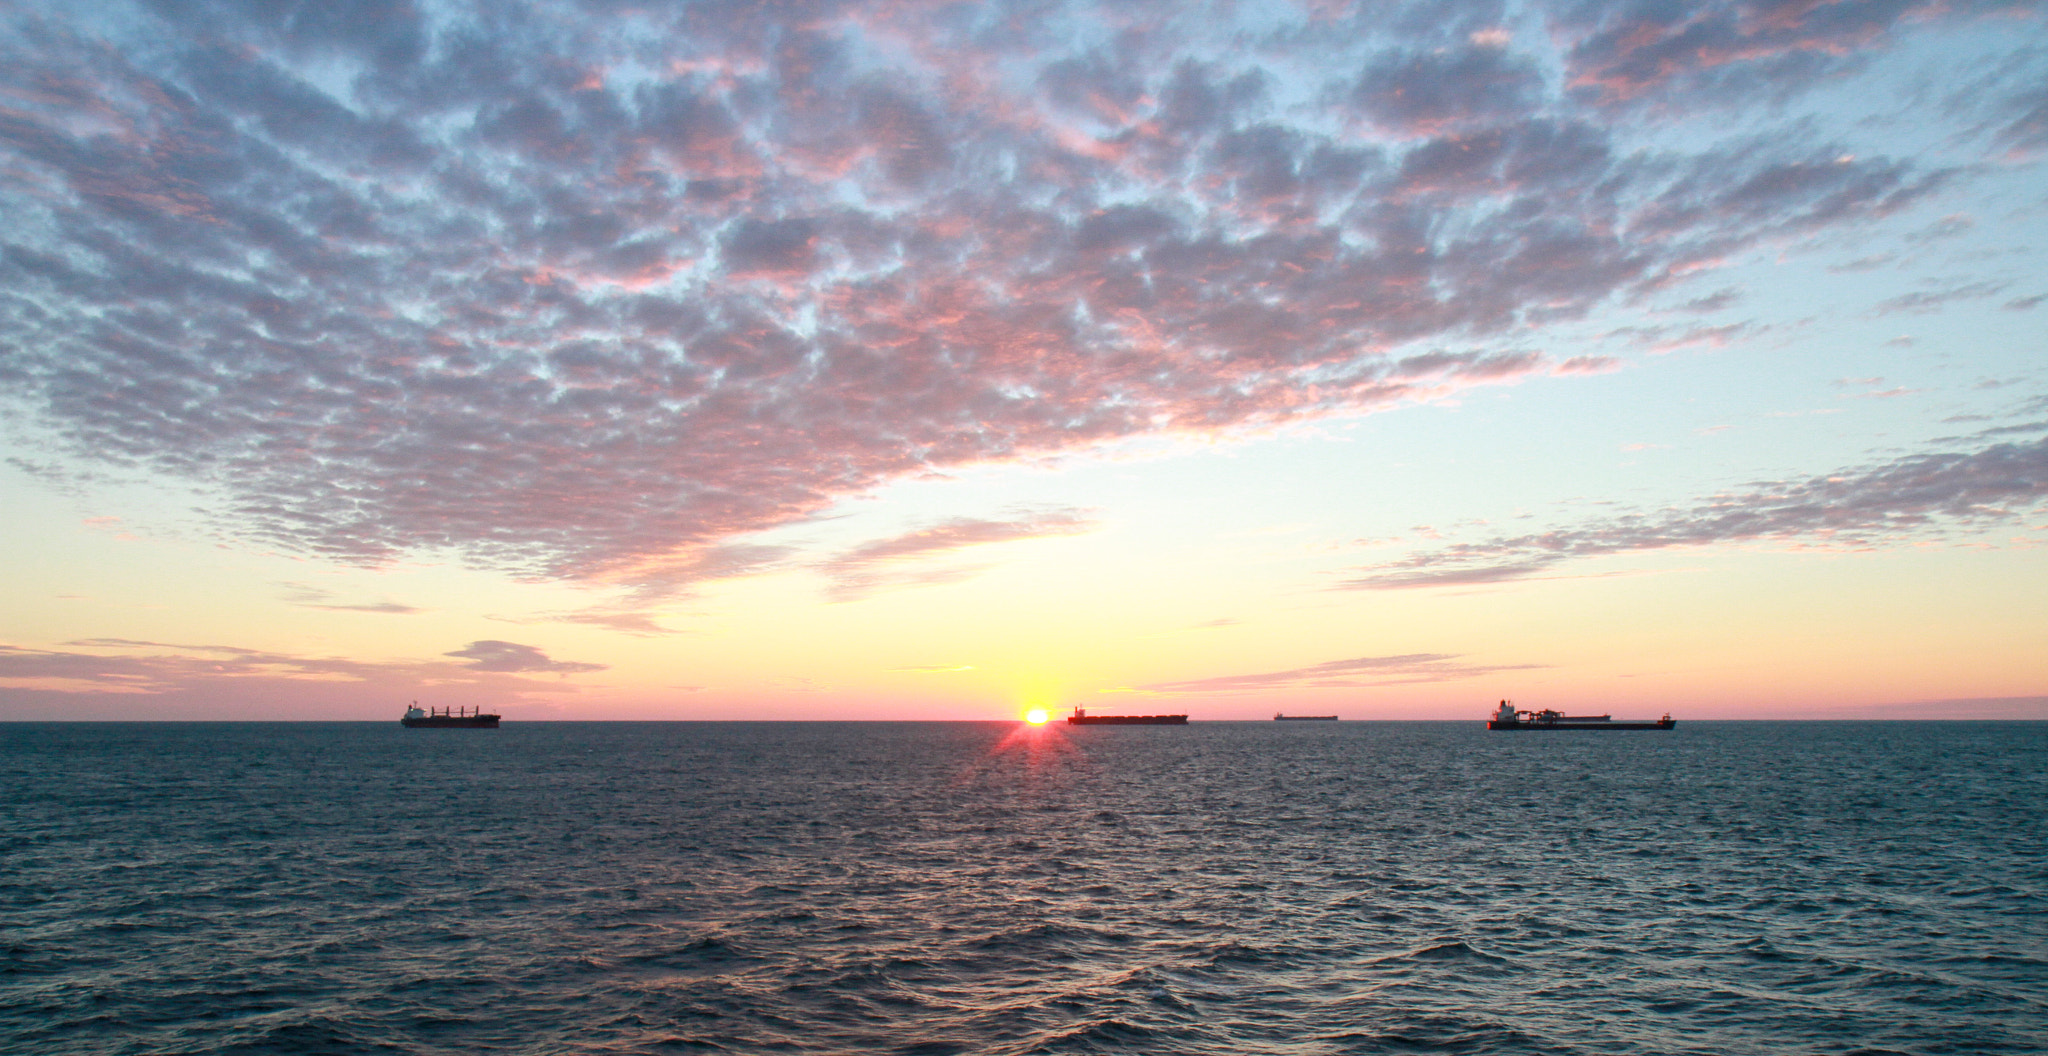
{"x": 1624, "y": 54}
{"x": 482, "y": 300}
{"x": 1588, "y": 365}
{"x": 111, "y": 677}
{"x": 907, "y": 559}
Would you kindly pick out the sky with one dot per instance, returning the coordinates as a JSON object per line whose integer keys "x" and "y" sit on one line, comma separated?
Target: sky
{"x": 917, "y": 359}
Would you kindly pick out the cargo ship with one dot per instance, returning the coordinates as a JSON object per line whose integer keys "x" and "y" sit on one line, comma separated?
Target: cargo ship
{"x": 1507, "y": 718}
{"x": 1277, "y": 717}
{"x": 460, "y": 718}
{"x": 1080, "y": 717}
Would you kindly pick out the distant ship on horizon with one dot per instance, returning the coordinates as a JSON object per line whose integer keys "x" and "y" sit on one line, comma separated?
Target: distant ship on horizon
{"x": 1508, "y": 718}
{"x": 1277, "y": 717}
{"x": 417, "y": 717}
{"x": 1080, "y": 717}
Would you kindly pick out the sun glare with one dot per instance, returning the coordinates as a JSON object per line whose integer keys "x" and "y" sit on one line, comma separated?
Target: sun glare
{"x": 1037, "y": 716}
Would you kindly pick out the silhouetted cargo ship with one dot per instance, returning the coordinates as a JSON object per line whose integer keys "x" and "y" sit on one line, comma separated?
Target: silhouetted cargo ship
{"x": 1080, "y": 717}
{"x": 1507, "y": 718}
{"x": 1277, "y": 717}
{"x": 461, "y": 718}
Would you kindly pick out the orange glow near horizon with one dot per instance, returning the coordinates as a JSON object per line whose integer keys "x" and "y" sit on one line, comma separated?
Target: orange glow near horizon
{"x": 1037, "y": 716}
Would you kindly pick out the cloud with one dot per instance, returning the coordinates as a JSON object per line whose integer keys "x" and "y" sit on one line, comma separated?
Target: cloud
{"x": 758, "y": 247}
{"x": 492, "y": 655}
{"x": 664, "y": 576}
{"x": 1717, "y": 301}
{"x": 1947, "y": 227}
{"x": 2031, "y": 709}
{"x": 625, "y": 621}
{"x": 1427, "y": 93}
{"x": 905, "y": 559}
{"x": 1660, "y": 55}
{"x": 1852, "y": 508}
{"x": 315, "y": 598}
{"x": 91, "y": 678}
{"x": 1405, "y": 669}
{"x": 594, "y": 295}
{"x": 649, "y": 583}
{"x": 1931, "y": 300}
{"x": 1588, "y": 365}
{"x": 1863, "y": 264}
{"x": 2026, "y": 134}
{"x": 1664, "y": 340}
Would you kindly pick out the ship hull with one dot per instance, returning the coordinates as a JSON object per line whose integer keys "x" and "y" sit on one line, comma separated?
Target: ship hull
{"x": 1127, "y": 720}
{"x": 1496, "y": 724}
{"x": 464, "y": 722}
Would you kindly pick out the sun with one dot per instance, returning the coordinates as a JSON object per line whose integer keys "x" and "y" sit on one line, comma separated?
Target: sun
{"x": 1037, "y": 716}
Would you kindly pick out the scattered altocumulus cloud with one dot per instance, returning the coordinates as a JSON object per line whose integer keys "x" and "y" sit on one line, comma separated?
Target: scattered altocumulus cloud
{"x": 593, "y": 293}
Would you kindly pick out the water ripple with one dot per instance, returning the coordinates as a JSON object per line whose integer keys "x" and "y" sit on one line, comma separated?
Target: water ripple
{"x": 932, "y": 889}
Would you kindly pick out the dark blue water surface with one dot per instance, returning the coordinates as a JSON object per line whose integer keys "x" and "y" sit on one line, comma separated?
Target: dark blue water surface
{"x": 936, "y": 888}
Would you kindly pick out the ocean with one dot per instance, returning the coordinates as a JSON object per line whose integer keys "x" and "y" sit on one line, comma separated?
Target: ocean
{"x": 937, "y": 888}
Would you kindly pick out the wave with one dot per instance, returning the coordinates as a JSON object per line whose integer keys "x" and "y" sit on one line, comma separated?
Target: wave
{"x": 907, "y": 888}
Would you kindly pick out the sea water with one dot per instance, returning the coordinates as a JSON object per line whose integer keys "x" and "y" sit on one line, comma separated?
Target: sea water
{"x": 937, "y": 888}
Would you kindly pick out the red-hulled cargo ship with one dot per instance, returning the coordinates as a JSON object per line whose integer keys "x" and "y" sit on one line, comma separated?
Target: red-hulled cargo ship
{"x": 1080, "y": 717}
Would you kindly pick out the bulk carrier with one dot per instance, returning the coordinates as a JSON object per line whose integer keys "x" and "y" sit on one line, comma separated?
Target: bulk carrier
{"x": 417, "y": 717}
{"x": 1507, "y": 718}
{"x": 1080, "y": 717}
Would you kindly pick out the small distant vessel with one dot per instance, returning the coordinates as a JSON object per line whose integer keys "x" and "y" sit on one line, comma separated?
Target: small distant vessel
{"x": 1507, "y": 718}
{"x": 1277, "y": 717}
{"x": 1080, "y": 717}
{"x": 463, "y": 718}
